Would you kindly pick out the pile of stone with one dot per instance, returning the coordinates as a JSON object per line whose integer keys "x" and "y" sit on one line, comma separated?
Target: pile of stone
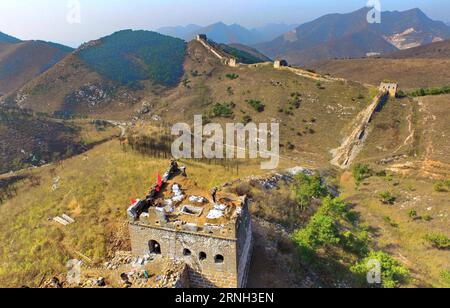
{"x": 173, "y": 276}
{"x": 122, "y": 258}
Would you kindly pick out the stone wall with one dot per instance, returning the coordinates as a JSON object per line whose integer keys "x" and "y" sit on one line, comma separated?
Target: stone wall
{"x": 219, "y": 267}
{"x": 225, "y": 60}
{"x": 391, "y": 88}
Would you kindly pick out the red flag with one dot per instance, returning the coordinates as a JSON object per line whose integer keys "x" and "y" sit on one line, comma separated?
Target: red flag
{"x": 159, "y": 183}
{"x": 133, "y": 201}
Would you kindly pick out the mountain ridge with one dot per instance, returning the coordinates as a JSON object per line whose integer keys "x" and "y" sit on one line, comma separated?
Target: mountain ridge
{"x": 24, "y": 60}
{"x": 399, "y": 29}
{"x": 229, "y": 34}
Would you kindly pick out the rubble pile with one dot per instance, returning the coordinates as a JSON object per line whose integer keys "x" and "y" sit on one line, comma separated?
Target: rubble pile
{"x": 173, "y": 276}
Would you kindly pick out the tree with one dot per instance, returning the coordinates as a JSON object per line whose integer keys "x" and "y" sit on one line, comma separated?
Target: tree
{"x": 321, "y": 230}
{"x": 306, "y": 188}
{"x": 361, "y": 172}
{"x": 393, "y": 273}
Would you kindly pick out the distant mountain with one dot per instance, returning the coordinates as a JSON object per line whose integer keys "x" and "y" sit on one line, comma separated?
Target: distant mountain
{"x": 438, "y": 50}
{"x": 110, "y": 74}
{"x": 347, "y": 35}
{"x": 5, "y": 38}
{"x": 21, "y": 61}
{"x": 227, "y": 34}
{"x": 179, "y": 31}
{"x": 273, "y": 30}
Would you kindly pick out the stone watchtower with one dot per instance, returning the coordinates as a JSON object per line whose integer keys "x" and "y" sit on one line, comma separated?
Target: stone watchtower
{"x": 210, "y": 232}
{"x": 390, "y": 87}
{"x": 280, "y": 63}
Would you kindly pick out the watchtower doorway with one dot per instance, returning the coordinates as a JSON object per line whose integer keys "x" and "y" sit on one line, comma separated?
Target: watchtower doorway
{"x": 154, "y": 247}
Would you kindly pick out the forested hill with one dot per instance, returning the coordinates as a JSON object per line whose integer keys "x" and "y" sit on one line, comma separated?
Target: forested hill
{"x": 129, "y": 56}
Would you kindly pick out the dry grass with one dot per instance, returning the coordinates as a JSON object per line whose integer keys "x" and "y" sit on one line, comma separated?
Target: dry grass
{"x": 409, "y": 73}
{"x": 95, "y": 188}
{"x": 324, "y": 108}
{"x": 395, "y": 231}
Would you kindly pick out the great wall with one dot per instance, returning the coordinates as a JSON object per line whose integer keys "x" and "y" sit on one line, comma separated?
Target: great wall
{"x": 277, "y": 64}
{"x": 352, "y": 144}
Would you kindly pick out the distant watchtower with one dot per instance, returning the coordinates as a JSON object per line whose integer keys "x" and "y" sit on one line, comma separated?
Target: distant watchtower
{"x": 280, "y": 63}
{"x": 390, "y": 87}
{"x": 232, "y": 62}
{"x": 202, "y": 37}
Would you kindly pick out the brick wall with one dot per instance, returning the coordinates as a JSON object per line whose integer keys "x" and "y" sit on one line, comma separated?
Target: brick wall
{"x": 173, "y": 244}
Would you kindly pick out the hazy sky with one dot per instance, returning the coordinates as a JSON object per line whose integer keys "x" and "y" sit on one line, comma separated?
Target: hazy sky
{"x": 47, "y": 19}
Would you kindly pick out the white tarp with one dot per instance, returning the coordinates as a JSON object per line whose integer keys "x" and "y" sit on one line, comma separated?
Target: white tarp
{"x": 198, "y": 199}
{"x": 220, "y": 207}
{"x": 215, "y": 214}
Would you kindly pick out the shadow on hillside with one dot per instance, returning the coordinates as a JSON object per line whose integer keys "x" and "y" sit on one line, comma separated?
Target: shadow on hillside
{"x": 8, "y": 185}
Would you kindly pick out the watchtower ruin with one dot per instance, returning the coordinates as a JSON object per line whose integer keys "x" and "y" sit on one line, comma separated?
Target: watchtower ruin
{"x": 210, "y": 232}
{"x": 280, "y": 63}
{"x": 390, "y": 87}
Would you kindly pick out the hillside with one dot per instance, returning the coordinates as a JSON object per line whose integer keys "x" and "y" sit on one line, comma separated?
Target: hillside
{"x": 29, "y": 140}
{"x": 5, "y": 38}
{"x": 131, "y": 56}
{"x": 243, "y": 54}
{"x": 409, "y": 73}
{"x": 106, "y": 77}
{"x": 351, "y": 46}
{"x": 109, "y": 78}
{"x": 22, "y": 61}
{"x": 346, "y": 35}
{"x": 438, "y": 50}
{"x": 305, "y": 109}
{"x": 251, "y": 51}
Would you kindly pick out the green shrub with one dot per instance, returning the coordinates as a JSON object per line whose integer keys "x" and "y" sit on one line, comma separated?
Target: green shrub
{"x": 232, "y": 76}
{"x": 439, "y": 241}
{"x": 257, "y": 105}
{"x": 430, "y": 91}
{"x": 401, "y": 94}
{"x": 393, "y": 273}
{"x": 306, "y": 188}
{"x": 387, "y": 198}
{"x": 361, "y": 172}
{"x": 445, "y": 275}
{"x": 321, "y": 231}
{"x": 412, "y": 214}
{"x": 389, "y": 221}
{"x": 224, "y": 110}
{"x": 442, "y": 186}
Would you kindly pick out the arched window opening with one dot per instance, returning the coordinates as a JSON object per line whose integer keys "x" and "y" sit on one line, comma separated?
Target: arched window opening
{"x": 154, "y": 247}
{"x": 202, "y": 256}
{"x": 219, "y": 259}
